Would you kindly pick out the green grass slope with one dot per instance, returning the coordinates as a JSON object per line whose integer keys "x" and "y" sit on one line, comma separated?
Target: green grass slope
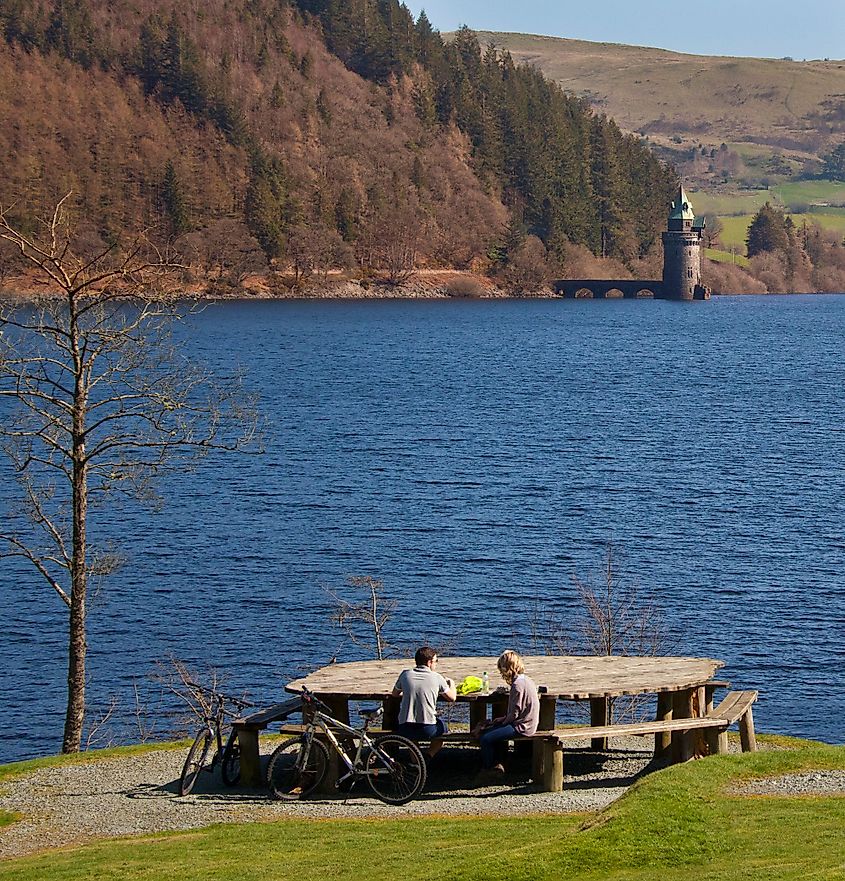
{"x": 684, "y": 822}
{"x": 791, "y": 105}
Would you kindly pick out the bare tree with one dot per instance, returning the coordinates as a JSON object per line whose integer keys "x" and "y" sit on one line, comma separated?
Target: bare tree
{"x": 370, "y": 614}
{"x": 102, "y": 404}
{"x": 616, "y": 618}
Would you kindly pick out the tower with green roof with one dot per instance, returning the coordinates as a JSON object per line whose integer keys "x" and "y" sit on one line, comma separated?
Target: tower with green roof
{"x": 682, "y": 253}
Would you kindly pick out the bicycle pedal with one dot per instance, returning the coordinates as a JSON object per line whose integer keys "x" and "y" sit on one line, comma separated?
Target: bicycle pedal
{"x": 346, "y": 784}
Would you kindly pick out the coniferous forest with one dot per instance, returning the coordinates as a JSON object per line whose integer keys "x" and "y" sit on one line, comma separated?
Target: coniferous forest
{"x": 312, "y": 134}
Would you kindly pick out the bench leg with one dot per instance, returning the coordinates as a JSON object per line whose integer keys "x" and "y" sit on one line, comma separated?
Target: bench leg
{"x": 746, "y": 732}
{"x": 722, "y": 748}
{"x": 598, "y": 718}
{"x": 708, "y": 699}
{"x": 552, "y": 763}
{"x": 339, "y": 707}
{"x": 334, "y": 770}
{"x": 538, "y": 758}
{"x": 477, "y": 713}
{"x": 711, "y": 737}
{"x": 663, "y": 739}
{"x": 682, "y": 702}
{"x": 548, "y": 707}
{"x": 686, "y": 750}
{"x": 390, "y": 720}
{"x": 250, "y": 759}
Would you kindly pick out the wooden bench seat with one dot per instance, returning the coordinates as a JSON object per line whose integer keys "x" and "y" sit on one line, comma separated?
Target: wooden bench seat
{"x": 736, "y": 707}
{"x": 265, "y": 717}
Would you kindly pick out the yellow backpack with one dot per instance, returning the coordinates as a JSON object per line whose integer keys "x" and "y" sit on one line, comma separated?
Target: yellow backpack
{"x": 470, "y": 685}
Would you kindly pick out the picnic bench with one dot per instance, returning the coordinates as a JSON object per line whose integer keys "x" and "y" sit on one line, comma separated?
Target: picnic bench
{"x": 687, "y": 723}
{"x": 248, "y": 728}
{"x": 548, "y": 745}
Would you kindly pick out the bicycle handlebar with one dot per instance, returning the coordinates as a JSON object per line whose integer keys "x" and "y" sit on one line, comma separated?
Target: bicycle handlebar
{"x": 308, "y": 697}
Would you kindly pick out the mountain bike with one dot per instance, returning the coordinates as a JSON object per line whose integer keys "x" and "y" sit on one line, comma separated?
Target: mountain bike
{"x": 214, "y": 712}
{"x": 392, "y": 765}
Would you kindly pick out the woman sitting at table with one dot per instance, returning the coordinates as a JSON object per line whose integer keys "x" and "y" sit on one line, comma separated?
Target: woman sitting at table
{"x": 522, "y": 717}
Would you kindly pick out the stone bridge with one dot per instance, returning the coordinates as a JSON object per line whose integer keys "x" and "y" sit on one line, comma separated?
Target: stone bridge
{"x": 601, "y": 289}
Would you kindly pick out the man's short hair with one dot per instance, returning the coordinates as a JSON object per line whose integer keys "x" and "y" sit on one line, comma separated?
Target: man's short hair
{"x": 424, "y": 654}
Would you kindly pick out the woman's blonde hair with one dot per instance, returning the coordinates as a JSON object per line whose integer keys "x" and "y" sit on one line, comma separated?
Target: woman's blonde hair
{"x": 510, "y": 666}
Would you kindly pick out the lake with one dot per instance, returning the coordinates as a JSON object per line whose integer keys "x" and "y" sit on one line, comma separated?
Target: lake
{"x": 478, "y": 456}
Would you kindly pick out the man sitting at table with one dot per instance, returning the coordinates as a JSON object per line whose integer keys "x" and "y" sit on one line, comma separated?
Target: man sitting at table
{"x": 420, "y": 687}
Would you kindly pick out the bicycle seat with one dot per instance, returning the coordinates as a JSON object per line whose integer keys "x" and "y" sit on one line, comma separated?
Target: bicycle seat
{"x": 371, "y": 713}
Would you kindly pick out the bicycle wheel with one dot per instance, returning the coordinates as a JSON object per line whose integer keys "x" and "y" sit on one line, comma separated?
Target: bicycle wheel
{"x": 396, "y": 769}
{"x": 195, "y": 761}
{"x": 291, "y": 774}
{"x": 231, "y": 761}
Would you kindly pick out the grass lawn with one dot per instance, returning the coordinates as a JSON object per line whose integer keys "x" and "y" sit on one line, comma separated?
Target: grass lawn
{"x": 680, "y": 823}
{"x": 811, "y": 192}
{"x": 725, "y": 257}
{"x": 814, "y": 192}
{"x": 735, "y": 229}
{"x": 723, "y": 205}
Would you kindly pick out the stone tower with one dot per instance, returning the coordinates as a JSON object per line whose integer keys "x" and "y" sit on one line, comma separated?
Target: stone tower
{"x": 682, "y": 253}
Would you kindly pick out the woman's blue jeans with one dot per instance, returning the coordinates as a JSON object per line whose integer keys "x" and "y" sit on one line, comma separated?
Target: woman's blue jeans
{"x": 490, "y": 742}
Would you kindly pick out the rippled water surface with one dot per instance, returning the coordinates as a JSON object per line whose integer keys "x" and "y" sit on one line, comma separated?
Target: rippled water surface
{"x": 477, "y": 456}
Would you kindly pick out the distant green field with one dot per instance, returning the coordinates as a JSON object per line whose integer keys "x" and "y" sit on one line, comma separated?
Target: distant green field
{"x": 725, "y": 257}
{"x": 811, "y": 192}
{"x": 814, "y": 192}
{"x": 735, "y": 229}
{"x": 730, "y": 204}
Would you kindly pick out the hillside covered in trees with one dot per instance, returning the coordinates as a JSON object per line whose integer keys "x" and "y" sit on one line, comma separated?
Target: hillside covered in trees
{"x": 309, "y": 135}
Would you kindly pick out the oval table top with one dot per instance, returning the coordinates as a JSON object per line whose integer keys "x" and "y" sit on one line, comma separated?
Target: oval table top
{"x": 569, "y": 677}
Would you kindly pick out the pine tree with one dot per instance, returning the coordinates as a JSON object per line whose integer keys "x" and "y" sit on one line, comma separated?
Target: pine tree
{"x": 71, "y": 32}
{"x": 173, "y": 201}
{"x": 265, "y": 208}
{"x": 767, "y": 232}
{"x": 345, "y": 216}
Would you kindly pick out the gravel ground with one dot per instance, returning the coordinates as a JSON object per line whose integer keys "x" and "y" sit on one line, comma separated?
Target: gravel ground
{"x": 136, "y": 795}
{"x": 805, "y": 783}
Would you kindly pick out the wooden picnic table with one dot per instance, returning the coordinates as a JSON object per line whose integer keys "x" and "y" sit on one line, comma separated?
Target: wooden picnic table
{"x": 679, "y": 683}
{"x": 683, "y": 686}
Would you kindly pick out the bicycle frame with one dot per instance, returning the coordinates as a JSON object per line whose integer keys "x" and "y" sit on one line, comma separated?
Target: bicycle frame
{"x": 214, "y": 721}
{"x": 354, "y": 766}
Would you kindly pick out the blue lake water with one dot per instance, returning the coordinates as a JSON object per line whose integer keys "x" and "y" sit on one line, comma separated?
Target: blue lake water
{"x": 477, "y": 456}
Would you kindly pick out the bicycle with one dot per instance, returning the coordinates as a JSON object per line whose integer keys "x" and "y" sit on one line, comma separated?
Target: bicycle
{"x": 214, "y": 712}
{"x": 392, "y": 765}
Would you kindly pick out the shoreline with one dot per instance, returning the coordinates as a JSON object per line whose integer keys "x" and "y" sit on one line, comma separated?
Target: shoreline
{"x": 424, "y": 285}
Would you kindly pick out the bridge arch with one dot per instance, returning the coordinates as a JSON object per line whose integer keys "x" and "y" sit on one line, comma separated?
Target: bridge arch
{"x": 586, "y": 288}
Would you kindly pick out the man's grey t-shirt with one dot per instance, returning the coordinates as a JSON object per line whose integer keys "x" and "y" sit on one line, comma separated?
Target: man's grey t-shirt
{"x": 420, "y": 689}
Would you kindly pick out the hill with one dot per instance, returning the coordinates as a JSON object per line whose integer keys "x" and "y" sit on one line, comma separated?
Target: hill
{"x": 248, "y": 131}
{"x": 775, "y": 117}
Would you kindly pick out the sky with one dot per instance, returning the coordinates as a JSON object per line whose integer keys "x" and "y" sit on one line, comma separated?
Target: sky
{"x": 757, "y": 28}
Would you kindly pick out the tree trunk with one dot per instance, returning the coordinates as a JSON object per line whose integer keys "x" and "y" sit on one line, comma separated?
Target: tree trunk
{"x": 75, "y": 716}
